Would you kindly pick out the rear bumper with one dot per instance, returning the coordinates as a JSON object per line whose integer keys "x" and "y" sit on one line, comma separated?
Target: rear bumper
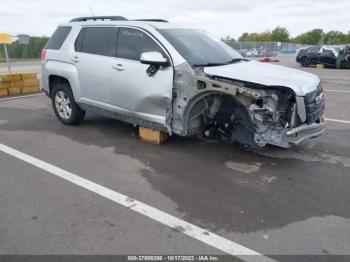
{"x": 47, "y": 93}
{"x": 297, "y": 135}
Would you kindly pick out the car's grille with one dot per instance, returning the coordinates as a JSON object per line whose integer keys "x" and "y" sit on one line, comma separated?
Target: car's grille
{"x": 315, "y": 105}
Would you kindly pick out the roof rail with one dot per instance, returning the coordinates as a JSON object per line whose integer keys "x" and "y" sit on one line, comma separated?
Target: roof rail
{"x": 151, "y": 20}
{"x": 94, "y": 18}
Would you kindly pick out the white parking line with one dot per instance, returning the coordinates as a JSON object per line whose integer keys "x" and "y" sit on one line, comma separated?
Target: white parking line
{"x": 19, "y": 97}
{"x": 337, "y": 91}
{"x": 182, "y": 226}
{"x": 338, "y": 120}
{"x": 336, "y": 77}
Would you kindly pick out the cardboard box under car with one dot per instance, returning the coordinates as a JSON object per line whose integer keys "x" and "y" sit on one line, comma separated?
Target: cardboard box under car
{"x": 30, "y": 89}
{"x": 3, "y": 92}
{"x": 152, "y": 136}
{"x": 14, "y": 91}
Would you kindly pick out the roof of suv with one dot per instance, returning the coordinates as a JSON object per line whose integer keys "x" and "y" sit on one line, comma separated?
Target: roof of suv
{"x": 139, "y": 23}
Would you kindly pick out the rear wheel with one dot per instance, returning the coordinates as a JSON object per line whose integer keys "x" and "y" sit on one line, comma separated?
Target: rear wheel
{"x": 305, "y": 62}
{"x": 64, "y": 105}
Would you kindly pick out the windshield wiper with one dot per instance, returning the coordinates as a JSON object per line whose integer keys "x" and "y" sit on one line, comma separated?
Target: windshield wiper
{"x": 209, "y": 64}
{"x": 234, "y": 60}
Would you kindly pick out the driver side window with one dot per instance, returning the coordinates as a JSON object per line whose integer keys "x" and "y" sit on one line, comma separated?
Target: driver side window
{"x": 132, "y": 43}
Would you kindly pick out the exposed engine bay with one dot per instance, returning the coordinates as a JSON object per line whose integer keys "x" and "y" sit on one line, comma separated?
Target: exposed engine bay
{"x": 234, "y": 111}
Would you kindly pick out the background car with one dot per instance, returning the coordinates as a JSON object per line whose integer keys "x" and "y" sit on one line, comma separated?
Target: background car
{"x": 326, "y": 55}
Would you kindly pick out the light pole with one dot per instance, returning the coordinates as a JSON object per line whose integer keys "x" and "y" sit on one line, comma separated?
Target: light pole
{"x": 6, "y": 39}
{"x": 7, "y": 59}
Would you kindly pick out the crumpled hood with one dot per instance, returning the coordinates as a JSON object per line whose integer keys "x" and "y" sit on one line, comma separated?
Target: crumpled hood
{"x": 267, "y": 74}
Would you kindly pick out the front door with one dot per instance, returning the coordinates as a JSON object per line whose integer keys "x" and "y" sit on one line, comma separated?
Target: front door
{"x": 133, "y": 90}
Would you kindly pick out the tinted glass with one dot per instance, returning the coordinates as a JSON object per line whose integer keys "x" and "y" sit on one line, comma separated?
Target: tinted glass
{"x": 199, "y": 48}
{"x": 58, "y": 38}
{"x": 79, "y": 41}
{"x": 327, "y": 51}
{"x": 99, "y": 41}
{"x": 132, "y": 43}
{"x": 314, "y": 49}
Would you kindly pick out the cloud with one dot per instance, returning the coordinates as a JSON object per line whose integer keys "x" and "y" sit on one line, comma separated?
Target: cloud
{"x": 219, "y": 17}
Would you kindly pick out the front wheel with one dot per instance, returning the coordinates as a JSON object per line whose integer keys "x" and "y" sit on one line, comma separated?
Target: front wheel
{"x": 64, "y": 105}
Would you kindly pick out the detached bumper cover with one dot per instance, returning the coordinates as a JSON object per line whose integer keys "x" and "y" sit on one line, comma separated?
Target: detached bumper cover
{"x": 299, "y": 134}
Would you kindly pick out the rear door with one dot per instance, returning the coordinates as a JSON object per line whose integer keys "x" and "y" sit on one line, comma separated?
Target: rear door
{"x": 95, "y": 51}
{"x": 148, "y": 97}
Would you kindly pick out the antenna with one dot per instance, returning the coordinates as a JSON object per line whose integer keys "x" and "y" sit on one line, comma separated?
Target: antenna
{"x": 92, "y": 11}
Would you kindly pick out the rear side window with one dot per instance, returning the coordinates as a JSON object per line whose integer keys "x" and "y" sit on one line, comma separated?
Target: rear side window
{"x": 132, "y": 43}
{"x": 58, "y": 38}
{"x": 98, "y": 41}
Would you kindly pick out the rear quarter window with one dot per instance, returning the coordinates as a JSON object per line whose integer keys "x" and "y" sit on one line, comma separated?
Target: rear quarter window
{"x": 59, "y": 36}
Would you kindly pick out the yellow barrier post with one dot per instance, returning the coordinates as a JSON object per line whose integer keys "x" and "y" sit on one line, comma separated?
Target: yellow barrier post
{"x": 5, "y": 39}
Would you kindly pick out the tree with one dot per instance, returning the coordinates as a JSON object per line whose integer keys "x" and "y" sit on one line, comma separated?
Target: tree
{"x": 335, "y": 38}
{"x": 280, "y": 34}
{"x": 244, "y": 37}
{"x": 255, "y": 37}
{"x": 312, "y": 37}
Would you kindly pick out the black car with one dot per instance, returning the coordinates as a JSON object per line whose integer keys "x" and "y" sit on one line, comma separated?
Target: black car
{"x": 328, "y": 56}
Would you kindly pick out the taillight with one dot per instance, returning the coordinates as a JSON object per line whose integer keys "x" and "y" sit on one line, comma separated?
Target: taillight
{"x": 43, "y": 54}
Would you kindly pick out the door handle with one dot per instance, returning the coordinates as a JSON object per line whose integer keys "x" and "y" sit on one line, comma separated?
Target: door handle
{"x": 75, "y": 59}
{"x": 118, "y": 67}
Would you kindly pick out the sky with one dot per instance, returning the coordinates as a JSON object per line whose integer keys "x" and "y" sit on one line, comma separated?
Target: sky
{"x": 218, "y": 17}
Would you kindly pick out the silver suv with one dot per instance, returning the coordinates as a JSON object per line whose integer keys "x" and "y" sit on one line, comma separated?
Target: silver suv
{"x": 178, "y": 80}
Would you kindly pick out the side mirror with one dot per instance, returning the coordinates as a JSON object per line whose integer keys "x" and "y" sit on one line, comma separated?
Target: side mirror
{"x": 154, "y": 58}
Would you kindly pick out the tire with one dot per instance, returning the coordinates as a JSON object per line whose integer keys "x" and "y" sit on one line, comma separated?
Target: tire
{"x": 64, "y": 105}
{"x": 305, "y": 62}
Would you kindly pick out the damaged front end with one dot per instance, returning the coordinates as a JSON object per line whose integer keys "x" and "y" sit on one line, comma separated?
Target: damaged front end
{"x": 237, "y": 111}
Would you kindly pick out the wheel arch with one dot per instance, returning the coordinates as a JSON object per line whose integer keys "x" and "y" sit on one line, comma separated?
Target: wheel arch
{"x": 55, "y": 80}
{"x": 195, "y": 100}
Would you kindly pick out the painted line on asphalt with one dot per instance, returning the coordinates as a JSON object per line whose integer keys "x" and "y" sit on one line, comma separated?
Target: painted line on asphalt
{"x": 335, "y": 77}
{"x": 173, "y": 222}
{"x": 336, "y": 91}
{"x": 19, "y": 97}
{"x": 337, "y": 120}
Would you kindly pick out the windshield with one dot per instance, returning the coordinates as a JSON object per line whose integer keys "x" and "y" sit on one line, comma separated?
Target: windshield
{"x": 199, "y": 48}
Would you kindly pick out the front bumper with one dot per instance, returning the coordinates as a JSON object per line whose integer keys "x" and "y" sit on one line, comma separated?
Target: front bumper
{"x": 297, "y": 135}
{"x": 287, "y": 138}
